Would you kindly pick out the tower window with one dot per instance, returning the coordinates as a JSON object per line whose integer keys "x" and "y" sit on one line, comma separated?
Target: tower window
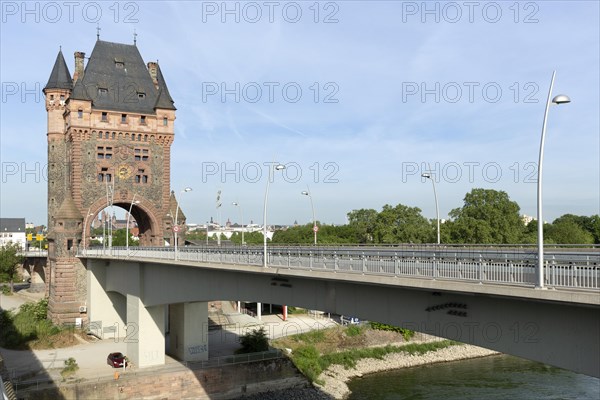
{"x": 104, "y": 116}
{"x": 119, "y": 64}
{"x": 165, "y": 121}
{"x": 104, "y": 152}
{"x": 102, "y": 91}
{"x": 141, "y": 154}
{"x": 143, "y": 119}
{"x": 123, "y": 118}
{"x": 79, "y": 114}
{"x": 141, "y": 95}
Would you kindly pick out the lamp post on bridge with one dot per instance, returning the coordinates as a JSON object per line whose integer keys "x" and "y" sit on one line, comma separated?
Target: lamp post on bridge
{"x": 427, "y": 175}
{"x": 277, "y": 167}
{"x": 176, "y": 227}
{"x": 235, "y": 203}
{"x": 133, "y": 201}
{"x": 315, "y": 228}
{"x": 559, "y": 99}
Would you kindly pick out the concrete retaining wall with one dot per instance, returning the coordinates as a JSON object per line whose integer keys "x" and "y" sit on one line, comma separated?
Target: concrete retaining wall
{"x": 212, "y": 383}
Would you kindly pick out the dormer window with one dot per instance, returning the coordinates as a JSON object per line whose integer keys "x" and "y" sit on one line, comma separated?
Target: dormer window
{"x": 143, "y": 119}
{"x": 102, "y": 91}
{"x": 123, "y": 118}
{"x": 141, "y": 95}
{"x": 104, "y": 116}
{"x": 119, "y": 65}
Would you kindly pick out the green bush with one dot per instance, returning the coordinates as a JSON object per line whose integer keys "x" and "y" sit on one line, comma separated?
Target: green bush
{"x": 70, "y": 368}
{"x": 253, "y": 342}
{"x": 29, "y": 323}
{"x": 307, "y": 360}
{"x": 315, "y": 336}
{"x": 353, "y": 330}
{"x": 406, "y": 333}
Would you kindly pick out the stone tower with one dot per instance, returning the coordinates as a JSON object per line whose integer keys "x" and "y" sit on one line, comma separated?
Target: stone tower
{"x": 110, "y": 130}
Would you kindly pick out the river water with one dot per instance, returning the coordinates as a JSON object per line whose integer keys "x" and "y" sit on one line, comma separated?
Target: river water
{"x": 489, "y": 378}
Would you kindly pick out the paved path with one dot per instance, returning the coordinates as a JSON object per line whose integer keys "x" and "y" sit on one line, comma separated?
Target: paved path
{"x": 91, "y": 357}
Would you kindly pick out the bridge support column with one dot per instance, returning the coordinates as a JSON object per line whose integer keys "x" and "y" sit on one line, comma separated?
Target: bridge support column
{"x": 188, "y": 337}
{"x": 106, "y": 310}
{"x": 145, "y": 333}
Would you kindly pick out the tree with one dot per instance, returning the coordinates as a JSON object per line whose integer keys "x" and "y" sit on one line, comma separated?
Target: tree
{"x": 567, "y": 231}
{"x": 119, "y": 238}
{"x": 363, "y": 221}
{"x": 401, "y": 224}
{"x": 487, "y": 216}
{"x": 254, "y": 342}
{"x": 10, "y": 259}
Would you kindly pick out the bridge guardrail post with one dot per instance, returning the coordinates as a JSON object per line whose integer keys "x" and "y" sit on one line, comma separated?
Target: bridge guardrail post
{"x": 335, "y": 261}
{"x": 364, "y": 262}
{"x": 434, "y": 271}
{"x": 310, "y": 259}
{"x": 396, "y": 266}
{"x": 480, "y": 269}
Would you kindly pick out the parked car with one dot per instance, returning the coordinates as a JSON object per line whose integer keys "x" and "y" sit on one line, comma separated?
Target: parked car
{"x": 116, "y": 360}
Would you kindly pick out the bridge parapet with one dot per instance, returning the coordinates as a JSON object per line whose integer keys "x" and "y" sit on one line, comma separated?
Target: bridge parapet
{"x": 575, "y": 270}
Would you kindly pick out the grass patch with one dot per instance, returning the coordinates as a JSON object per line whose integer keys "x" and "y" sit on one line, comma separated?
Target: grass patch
{"x": 313, "y": 352}
{"x": 28, "y": 328}
{"x": 407, "y": 334}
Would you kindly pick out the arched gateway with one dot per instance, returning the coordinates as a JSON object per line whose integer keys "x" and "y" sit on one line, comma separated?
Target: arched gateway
{"x": 110, "y": 130}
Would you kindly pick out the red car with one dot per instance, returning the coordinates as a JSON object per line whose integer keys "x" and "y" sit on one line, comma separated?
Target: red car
{"x": 116, "y": 360}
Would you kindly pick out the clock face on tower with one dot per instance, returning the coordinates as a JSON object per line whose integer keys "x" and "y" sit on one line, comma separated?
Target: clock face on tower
{"x": 124, "y": 171}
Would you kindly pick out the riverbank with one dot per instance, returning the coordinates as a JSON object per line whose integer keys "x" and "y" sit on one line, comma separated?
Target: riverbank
{"x": 331, "y": 358}
{"x": 335, "y": 378}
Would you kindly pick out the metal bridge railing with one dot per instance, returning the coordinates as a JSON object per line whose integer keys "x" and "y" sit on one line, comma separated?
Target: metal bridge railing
{"x": 579, "y": 270}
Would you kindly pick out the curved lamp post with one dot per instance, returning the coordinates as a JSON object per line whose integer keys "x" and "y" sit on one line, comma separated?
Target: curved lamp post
{"x": 427, "y": 175}
{"x": 307, "y": 193}
{"x": 277, "y": 167}
{"x": 87, "y": 215}
{"x": 176, "y": 227}
{"x": 133, "y": 201}
{"x": 560, "y": 99}
{"x": 235, "y": 203}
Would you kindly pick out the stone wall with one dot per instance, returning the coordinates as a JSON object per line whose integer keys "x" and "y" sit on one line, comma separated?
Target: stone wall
{"x": 227, "y": 382}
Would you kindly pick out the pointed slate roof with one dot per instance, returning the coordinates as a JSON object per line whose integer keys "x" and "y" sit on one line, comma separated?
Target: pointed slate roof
{"x": 164, "y": 99}
{"x": 173, "y": 206}
{"x": 60, "y": 77}
{"x": 79, "y": 92}
{"x": 116, "y": 78}
{"x": 68, "y": 209}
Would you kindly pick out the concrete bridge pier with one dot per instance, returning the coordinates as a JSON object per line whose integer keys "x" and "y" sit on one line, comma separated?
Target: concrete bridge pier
{"x": 188, "y": 337}
{"x": 145, "y": 332}
{"x": 107, "y": 311}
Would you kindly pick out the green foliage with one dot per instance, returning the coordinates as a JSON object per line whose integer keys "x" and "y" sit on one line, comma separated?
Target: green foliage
{"x": 254, "y": 341}
{"x": 70, "y": 368}
{"x": 487, "y": 216}
{"x": 37, "y": 311}
{"x": 401, "y": 224}
{"x": 119, "y": 238}
{"x": 354, "y": 330}
{"x": 406, "y": 333}
{"x": 314, "y": 336}
{"x": 363, "y": 221}
{"x": 10, "y": 259}
{"x": 28, "y": 324}
{"x": 308, "y": 360}
{"x": 5, "y": 290}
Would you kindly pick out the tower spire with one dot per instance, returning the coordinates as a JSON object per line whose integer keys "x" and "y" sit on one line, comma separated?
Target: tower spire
{"x": 134, "y": 37}
{"x": 98, "y": 31}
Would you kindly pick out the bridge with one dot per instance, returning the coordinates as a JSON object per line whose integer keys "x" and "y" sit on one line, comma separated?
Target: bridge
{"x": 484, "y": 297}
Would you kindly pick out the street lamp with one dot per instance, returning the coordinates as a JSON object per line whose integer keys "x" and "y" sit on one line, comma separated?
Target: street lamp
{"x": 307, "y": 193}
{"x": 176, "y": 227}
{"x": 242, "y": 216}
{"x": 560, "y": 99}
{"x": 277, "y": 167}
{"x": 133, "y": 201}
{"x": 427, "y": 175}
{"x": 87, "y": 215}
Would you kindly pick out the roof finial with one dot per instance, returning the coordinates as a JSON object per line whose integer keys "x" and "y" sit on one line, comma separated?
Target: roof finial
{"x": 60, "y": 47}
{"x": 134, "y": 36}
{"x": 98, "y": 31}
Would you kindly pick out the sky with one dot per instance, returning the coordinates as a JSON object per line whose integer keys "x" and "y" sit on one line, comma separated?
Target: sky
{"x": 356, "y": 98}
